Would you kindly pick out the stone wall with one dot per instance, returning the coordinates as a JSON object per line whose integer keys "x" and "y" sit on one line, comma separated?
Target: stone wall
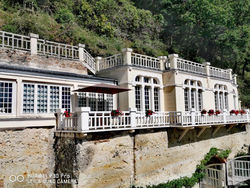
{"x": 145, "y": 157}
{"x": 109, "y": 159}
{"x": 24, "y": 59}
{"x": 24, "y": 154}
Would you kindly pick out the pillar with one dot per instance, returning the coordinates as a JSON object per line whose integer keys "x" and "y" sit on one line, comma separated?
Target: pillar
{"x": 173, "y": 60}
{"x": 33, "y": 43}
{"x": 127, "y": 52}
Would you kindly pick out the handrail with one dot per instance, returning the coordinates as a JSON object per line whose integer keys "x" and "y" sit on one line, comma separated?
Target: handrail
{"x": 103, "y": 121}
{"x": 145, "y": 61}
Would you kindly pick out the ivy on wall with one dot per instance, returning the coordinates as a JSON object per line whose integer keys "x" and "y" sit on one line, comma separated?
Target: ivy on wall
{"x": 197, "y": 175}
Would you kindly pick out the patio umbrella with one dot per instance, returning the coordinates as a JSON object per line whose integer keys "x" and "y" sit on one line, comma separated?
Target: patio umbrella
{"x": 103, "y": 88}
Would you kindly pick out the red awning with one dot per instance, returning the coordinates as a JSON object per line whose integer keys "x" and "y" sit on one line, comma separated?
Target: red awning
{"x": 103, "y": 88}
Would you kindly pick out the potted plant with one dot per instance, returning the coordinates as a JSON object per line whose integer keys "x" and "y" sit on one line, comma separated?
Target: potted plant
{"x": 217, "y": 112}
{"x": 203, "y": 112}
{"x": 67, "y": 114}
{"x": 211, "y": 112}
{"x": 242, "y": 112}
{"x": 232, "y": 112}
{"x": 115, "y": 113}
{"x": 237, "y": 112}
{"x": 149, "y": 113}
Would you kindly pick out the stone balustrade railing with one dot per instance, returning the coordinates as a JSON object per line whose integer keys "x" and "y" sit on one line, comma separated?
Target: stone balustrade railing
{"x": 112, "y": 61}
{"x": 145, "y": 61}
{"x": 37, "y": 46}
{"x": 84, "y": 120}
{"x": 220, "y": 73}
{"x": 190, "y": 66}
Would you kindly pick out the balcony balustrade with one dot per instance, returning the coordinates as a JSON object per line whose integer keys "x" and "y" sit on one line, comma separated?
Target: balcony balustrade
{"x": 85, "y": 121}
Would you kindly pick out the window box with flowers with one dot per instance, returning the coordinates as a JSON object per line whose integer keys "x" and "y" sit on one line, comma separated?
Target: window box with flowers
{"x": 203, "y": 112}
{"x": 149, "y": 113}
{"x": 242, "y": 112}
{"x": 217, "y": 112}
{"x": 235, "y": 112}
{"x": 116, "y": 113}
{"x": 67, "y": 114}
{"x": 211, "y": 112}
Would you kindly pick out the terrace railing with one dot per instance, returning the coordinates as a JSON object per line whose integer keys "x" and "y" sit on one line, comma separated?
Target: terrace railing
{"x": 14, "y": 41}
{"x": 145, "y": 61}
{"x": 84, "y": 120}
{"x": 112, "y": 61}
{"x": 190, "y": 66}
{"x": 220, "y": 73}
{"x": 36, "y": 46}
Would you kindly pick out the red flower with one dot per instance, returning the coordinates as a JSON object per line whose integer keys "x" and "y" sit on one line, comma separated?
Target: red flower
{"x": 242, "y": 112}
{"x": 237, "y": 112}
{"x": 116, "y": 113}
{"x": 211, "y": 112}
{"x": 149, "y": 113}
{"x": 217, "y": 112}
{"x": 67, "y": 114}
{"x": 203, "y": 111}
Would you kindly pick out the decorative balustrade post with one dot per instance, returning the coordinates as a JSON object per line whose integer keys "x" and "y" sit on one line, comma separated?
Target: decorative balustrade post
{"x": 83, "y": 118}
{"x": 207, "y": 68}
{"x": 59, "y": 119}
{"x": 235, "y": 79}
{"x": 81, "y": 51}
{"x": 133, "y": 117}
{"x": 225, "y": 116}
{"x": 33, "y": 43}
{"x": 126, "y": 52}
{"x": 173, "y": 60}
{"x": 163, "y": 62}
{"x": 193, "y": 116}
{"x": 230, "y": 74}
{"x": 248, "y": 115}
{"x": 98, "y": 61}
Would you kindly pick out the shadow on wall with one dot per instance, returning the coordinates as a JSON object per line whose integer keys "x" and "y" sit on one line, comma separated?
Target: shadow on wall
{"x": 191, "y": 136}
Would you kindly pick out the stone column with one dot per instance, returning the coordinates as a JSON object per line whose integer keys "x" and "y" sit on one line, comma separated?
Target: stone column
{"x": 163, "y": 61}
{"x": 98, "y": 61}
{"x": 126, "y": 52}
{"x": 81, "y": 51}
{"x": 161, "y": 99}
{"x": 18, "y": 97}
{"x": 33, "y": 43}
{"x": 83, "y": 118}
{"x": 59, "y": 118}
{"x": 173, "y": 60}
{"x": 230, "y": 74}
{"x": 133, "y": 116}
{"x": 207, "y": 67}
{"x": 235, "y": 79}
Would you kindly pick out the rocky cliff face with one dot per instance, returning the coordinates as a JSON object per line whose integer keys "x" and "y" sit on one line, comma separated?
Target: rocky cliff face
{"x": 107, "y": 160}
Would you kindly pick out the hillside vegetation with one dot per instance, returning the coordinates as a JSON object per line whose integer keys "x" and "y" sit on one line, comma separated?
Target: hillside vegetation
{"x": 200, "y": 30}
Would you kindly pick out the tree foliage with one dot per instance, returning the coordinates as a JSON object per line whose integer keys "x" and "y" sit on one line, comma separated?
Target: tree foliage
{"x": 200, "y": 30}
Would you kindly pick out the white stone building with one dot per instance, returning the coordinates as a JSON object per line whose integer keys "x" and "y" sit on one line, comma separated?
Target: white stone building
{"x": 38, "y": 77}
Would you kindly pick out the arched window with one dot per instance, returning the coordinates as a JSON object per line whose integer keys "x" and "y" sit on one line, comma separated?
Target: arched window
{"x": 220, "y": 97}
{"x": 147, "y": 94}
{"x": 193, "y": 95}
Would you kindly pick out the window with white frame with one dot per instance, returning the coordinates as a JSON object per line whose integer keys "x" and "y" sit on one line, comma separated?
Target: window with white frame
{"x": 147, "y": 93}
{"x": 96, "y": 101}
{"x": 199, "y": 99}
{"x": 66, "y": 98}
{"x": 138, "y": 97}
{"x": 42, "y": 99}
{"x": 156, "y": 99}
{"x": 45, "y": 98}
{"x": 54, "y": 98}
{"x": 186, "y": 99}
{"x": 193, "y": 95}
{"x": 6, "y": 97}
{"x": 28, "y": 98}
{"x": 220, "y": 97}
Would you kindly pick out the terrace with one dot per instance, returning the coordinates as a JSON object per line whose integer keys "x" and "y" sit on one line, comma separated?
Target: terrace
{"x": 85, "y": 121}
{"x": 36, "y": 46}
